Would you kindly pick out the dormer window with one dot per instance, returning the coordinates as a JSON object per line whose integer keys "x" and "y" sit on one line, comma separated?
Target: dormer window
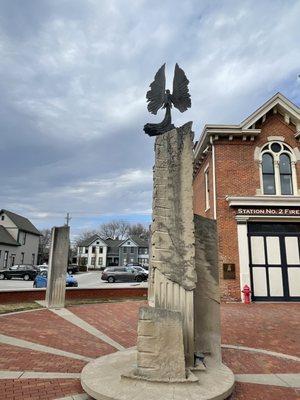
{"x": 278, "y": 169}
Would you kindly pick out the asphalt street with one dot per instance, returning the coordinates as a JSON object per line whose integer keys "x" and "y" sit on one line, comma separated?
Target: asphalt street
{"x": 85, "y": 280}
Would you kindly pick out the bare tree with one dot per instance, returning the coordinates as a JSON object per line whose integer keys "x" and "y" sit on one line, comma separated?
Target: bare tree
{"x": 139, "y": 230}
{"x": 116, "y": 229}
{"x": 83, "y": 236}
{"x": 44, "y": 245}
{"x": 123, "y": 229}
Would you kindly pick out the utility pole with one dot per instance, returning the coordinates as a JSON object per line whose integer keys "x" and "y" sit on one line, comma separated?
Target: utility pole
{"x": 68, "y": 219}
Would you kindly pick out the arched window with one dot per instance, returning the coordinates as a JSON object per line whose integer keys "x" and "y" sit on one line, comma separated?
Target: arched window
{"x": 278, "y": 173}
{"x": 268, "y": 174}
{"x": 285, "y": 170}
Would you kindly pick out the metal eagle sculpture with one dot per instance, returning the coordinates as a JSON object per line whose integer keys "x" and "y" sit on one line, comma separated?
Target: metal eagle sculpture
{"x": 160, "y": 97}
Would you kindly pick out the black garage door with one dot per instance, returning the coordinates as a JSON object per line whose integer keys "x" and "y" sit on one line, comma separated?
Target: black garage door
{"x": 274, "y": 252}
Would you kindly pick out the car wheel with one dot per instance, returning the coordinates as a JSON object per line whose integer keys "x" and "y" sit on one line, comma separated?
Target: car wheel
{"x": 139, "y": 278}
{"x": 26, "y": 277}
{"x": 2, "y": 276}
{"x": 110, "y": 279}
{"x": 8, "y": 277}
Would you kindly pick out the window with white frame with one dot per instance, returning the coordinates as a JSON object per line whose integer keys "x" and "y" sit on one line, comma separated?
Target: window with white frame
{"x": 206, "y": 182}
{"x": 278, "y": 171}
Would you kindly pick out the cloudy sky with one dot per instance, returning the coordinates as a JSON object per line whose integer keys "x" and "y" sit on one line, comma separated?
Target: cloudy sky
{"x": 73, "y": 78}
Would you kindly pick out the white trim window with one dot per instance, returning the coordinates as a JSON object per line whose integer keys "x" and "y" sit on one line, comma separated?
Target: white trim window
{"x": 206, "y": 183}
{"x": 278, "y": 169}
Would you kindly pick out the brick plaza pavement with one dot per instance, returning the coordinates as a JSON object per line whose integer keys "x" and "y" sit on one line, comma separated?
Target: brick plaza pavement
{"x": 42, "y": 354}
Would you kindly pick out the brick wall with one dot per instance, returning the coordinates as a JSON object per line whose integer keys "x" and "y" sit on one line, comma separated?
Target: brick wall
{"x": 15, "y": 296}
{"x": 237, "y": 174}
{"x": 199, "y": 189}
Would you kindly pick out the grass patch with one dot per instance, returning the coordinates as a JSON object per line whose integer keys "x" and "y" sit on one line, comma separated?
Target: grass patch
{"x": 14, "y": 307}
{"x": 77, "y": 302}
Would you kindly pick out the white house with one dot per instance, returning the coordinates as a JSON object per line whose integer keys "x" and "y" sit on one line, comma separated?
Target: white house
{"x": 92, "y": 252}
{"x": 96, "y": 252}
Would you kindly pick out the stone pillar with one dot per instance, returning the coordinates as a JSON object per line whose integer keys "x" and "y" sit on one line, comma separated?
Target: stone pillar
{"x": 172, "y": 264}
{"x": 58, "y": 263}
{"x": 207, "y": 292}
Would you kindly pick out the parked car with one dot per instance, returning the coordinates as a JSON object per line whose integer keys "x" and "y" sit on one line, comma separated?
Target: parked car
{"x": 123, "y": 274}
{"x": 40, "y": 280}
{"x": 72, "y": 269}
{"x": 26, "y": 272}
{"x": 145, "y": 267}
{"x": 134, "y": 264}
{"x": 42, "y": 267}
{"x": 140, "y": 269}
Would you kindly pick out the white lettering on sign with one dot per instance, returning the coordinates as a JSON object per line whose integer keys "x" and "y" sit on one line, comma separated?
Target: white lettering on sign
{"x": 269, "y": 211}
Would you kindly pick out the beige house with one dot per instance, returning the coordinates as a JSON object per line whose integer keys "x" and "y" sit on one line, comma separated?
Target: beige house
{"x": 19, "y": 240}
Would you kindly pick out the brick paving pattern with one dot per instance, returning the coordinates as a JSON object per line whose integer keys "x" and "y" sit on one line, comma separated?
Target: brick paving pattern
{"x": 273, "y": 327}
{"x": 117, "y": 320}
{"x": 268, "y": 326}
{"x": 247, "y": 391}
{"x": 241, "y": 362}
{"x": 46, "y": 328}
{"x": 38, "y": 389}
{"x": 18, "y": 359}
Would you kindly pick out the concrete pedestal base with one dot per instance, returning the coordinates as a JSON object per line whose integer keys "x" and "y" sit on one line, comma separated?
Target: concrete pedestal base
{"x": 102, "y": 379}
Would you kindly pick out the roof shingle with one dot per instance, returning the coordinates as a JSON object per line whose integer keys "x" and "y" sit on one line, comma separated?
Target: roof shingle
{"x": 6, "y": 238}
{"x": 21, "y": 222}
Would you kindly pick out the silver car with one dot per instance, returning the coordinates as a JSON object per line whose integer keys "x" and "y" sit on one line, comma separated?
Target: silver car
{"x": 123, "y": 274}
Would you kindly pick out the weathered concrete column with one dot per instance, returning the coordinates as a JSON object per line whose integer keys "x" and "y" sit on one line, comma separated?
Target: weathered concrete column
{"x": 58, "y": 263}
{"x": 207, "y": 293}
{"x": 172, "y": 264}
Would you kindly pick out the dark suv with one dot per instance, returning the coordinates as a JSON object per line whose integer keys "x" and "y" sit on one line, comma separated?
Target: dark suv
{"x": 26, "y": 272}
{"x": 123, "y": 274}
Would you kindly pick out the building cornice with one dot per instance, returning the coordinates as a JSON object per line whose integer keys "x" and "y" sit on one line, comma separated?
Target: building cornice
{"x": 264, "y": 201}
{"x": 246, "y": 129}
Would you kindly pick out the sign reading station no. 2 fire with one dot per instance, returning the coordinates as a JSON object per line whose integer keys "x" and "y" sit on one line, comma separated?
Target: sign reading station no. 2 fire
{"x": 290, "y": 212}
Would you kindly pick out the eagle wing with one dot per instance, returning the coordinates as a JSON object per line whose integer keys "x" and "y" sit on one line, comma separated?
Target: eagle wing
{"x": 180, "y": 96}
{"x": 156, "y": 95}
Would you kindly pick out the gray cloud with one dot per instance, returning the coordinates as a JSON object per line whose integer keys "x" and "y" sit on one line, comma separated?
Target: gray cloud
{"x": 73, "y": 77}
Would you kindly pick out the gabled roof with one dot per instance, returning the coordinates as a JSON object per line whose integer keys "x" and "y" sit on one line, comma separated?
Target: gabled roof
{"x": 140, "y": 242}
{"x": 87, "y": 242}
{"x": 278, "y": 100}
{"x": 113, "y": 242}
{"x": 137, "y": 240}
{"x": 246, "y": 129}
{"x": 6, "y": 238}
{"x": 113, "y": 246}
{"x": 21, "y": 222}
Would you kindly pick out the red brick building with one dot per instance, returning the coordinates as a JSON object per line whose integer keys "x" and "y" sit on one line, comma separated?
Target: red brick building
{"x": 247, "y": 177}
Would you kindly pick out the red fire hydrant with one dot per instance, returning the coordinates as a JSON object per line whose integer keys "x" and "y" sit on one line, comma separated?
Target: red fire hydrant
{"x": 247, "y": 291}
